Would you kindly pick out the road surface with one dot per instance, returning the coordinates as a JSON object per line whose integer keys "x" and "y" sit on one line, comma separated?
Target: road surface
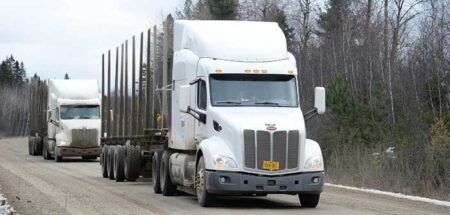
{"x": 37, "y": 186}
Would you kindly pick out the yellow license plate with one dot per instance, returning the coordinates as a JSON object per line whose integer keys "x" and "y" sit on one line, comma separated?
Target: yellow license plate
{"x": 271, "y": 165}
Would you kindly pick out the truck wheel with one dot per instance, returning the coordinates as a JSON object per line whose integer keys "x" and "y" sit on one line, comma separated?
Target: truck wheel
{"x": 205, "y": 199}
{"x": 58, "y": 158}
{"x": 31, "y": 145}
{"x": 118, "y": 163}
{"x": 132, "y": 163}
{"x": 155, "y": 171}
{"x": 37, "y": 146}
{"x": 104, "y": 161}
{"x": 110, "y": 162}
{"x": 167, "y": 187}
{"x": 309, "y": 200}
{"x": 45, "y": 152}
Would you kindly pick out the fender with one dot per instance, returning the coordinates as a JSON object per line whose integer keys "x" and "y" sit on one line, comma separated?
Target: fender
{"x": 212, "y": 146}
{"x": 312, "y": 148}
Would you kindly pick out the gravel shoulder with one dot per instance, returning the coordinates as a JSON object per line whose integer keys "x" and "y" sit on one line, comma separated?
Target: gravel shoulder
{"x": 36, "y": 186}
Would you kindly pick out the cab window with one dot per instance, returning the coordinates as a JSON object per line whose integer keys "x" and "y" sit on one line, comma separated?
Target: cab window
{"x": 201, "y": 95}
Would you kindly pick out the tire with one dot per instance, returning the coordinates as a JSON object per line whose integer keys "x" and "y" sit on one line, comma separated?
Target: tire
{"x": 167, "y": 187}
{"x": 155, "y": 171}
{"x": 110, "y": 162}
{"x": 57, "y": 157}
{"x": 118, "y": 163}
{"x": 104, "y": 161}
{"x": 45, "y": 153}
{"x": 132, "y": 164}
{"x": 30, "y": 145}
{"x": 204, "y": 198}
{"x": 37, "y": 146}
{"x": 309, "y": 200}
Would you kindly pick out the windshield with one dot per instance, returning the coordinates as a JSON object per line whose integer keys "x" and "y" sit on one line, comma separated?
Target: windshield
{"x": 253, "y": 90}
{"x": 80, "y": 112}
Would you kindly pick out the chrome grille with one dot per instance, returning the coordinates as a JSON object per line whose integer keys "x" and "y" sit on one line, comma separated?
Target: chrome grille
{"x": 293, "y": 149}
{"x": 263, "y": 147}
{"x": 249, "y": 148}
{"x": 84, "y": 138}
{"x": 279, "y": 146}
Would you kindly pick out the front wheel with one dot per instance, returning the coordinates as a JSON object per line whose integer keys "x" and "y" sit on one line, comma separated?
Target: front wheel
{"x": 58, "y": 158}
{"x": 167, "y": 187}
{"x": 205, "y": 199}
{"x": 309, "y": 200}
{"x": 155, "y": 171}
{"x": 45, "y": 153}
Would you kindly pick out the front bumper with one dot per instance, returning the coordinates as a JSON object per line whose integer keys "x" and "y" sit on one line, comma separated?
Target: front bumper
{"x": 242, "y": 183}
{"x": 67, "y": 151}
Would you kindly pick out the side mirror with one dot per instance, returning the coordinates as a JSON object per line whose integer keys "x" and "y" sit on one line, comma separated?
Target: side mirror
{"x": 319, "y": 100}
{"x": 184, "y": 98}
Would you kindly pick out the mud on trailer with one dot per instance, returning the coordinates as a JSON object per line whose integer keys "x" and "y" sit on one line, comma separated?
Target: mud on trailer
{"x": 215, "y": 114}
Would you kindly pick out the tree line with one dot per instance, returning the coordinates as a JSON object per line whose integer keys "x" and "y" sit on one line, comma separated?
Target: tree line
{"x": 385, "y": 65}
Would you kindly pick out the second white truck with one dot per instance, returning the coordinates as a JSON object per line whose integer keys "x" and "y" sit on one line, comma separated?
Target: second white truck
{"x": 65, "y": 119}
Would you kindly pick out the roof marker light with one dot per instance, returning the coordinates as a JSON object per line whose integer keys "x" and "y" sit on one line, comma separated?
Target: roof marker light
{"x": 218, "y": 71}
{"x": 264, "y": 71}
{"x": 255, "y": 71}
{"x": 248, "y": 71}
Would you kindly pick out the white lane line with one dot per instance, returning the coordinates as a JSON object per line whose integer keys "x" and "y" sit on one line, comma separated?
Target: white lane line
{"x": 397, "y": 195}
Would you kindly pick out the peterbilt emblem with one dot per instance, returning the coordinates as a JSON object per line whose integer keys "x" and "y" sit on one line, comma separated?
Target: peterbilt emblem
{"x": 271, "y": 127}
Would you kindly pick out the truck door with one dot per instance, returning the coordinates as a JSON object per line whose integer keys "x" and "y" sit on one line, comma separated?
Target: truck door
{"x": 201, "y": 103}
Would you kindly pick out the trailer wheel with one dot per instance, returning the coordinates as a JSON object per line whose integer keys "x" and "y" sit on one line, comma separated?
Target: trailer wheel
{"x": 309, "y": 200}
{"x": 110, "y": 162}
{"x": 205, "y": 199}
{"x": 30, "y": 145}
{"x": 104, "y": 161}
{"x": 45, "y": 152}
{"x": 132, "y": 165}
{"x": 58, "y": 158}
{"x": 118, "y": 163}
{"x": 167, "y": 187}
{"x": 155, "y": 171}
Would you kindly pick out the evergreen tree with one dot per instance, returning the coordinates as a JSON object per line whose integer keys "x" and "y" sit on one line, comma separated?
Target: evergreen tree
{"x": 223, "y": 9}
{"x": 12, "y": 72}
{"x": 187, "y": 12}
{"x": 66, "y": 76}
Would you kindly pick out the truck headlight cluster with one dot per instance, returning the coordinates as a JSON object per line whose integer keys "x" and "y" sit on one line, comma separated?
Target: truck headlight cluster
{"x": 314, "y": 162}
{"x": 222, "y": 161}
{"x": 63, "y": 143}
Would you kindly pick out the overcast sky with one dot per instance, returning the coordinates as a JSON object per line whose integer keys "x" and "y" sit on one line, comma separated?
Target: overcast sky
{"x": 53, "y": 37}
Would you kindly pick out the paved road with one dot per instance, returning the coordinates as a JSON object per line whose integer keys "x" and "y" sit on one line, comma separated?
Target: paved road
{"x": 36, "y": 186}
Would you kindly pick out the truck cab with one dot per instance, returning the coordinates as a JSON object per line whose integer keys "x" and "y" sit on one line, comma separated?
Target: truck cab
{"x": 73, "y": 118}
{"x": 236, "y": 123}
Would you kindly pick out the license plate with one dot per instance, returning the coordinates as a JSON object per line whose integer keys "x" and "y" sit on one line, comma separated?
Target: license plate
{"x": 271, "y": 165}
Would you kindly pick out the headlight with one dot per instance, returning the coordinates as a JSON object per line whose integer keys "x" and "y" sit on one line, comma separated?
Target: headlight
{"x": 314, "y": 162}
{"x": 224, "y": 161}
{"x": 63, "y": 143}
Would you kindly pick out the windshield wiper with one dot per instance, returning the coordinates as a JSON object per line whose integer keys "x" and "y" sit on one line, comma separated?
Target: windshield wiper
{"x": 229, "y": 102}
{"x": 268, "y": 103}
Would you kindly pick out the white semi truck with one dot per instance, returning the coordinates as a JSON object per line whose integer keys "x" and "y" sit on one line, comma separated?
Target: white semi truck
{"x": 65, "y": 119}
{"x": 229, "y": 121}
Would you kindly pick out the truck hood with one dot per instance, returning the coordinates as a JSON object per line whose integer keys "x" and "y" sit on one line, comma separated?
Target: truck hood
{"x": 69, "y": 125}
{"x": 234, "y": 120}
{"x": 260, "y": 118}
